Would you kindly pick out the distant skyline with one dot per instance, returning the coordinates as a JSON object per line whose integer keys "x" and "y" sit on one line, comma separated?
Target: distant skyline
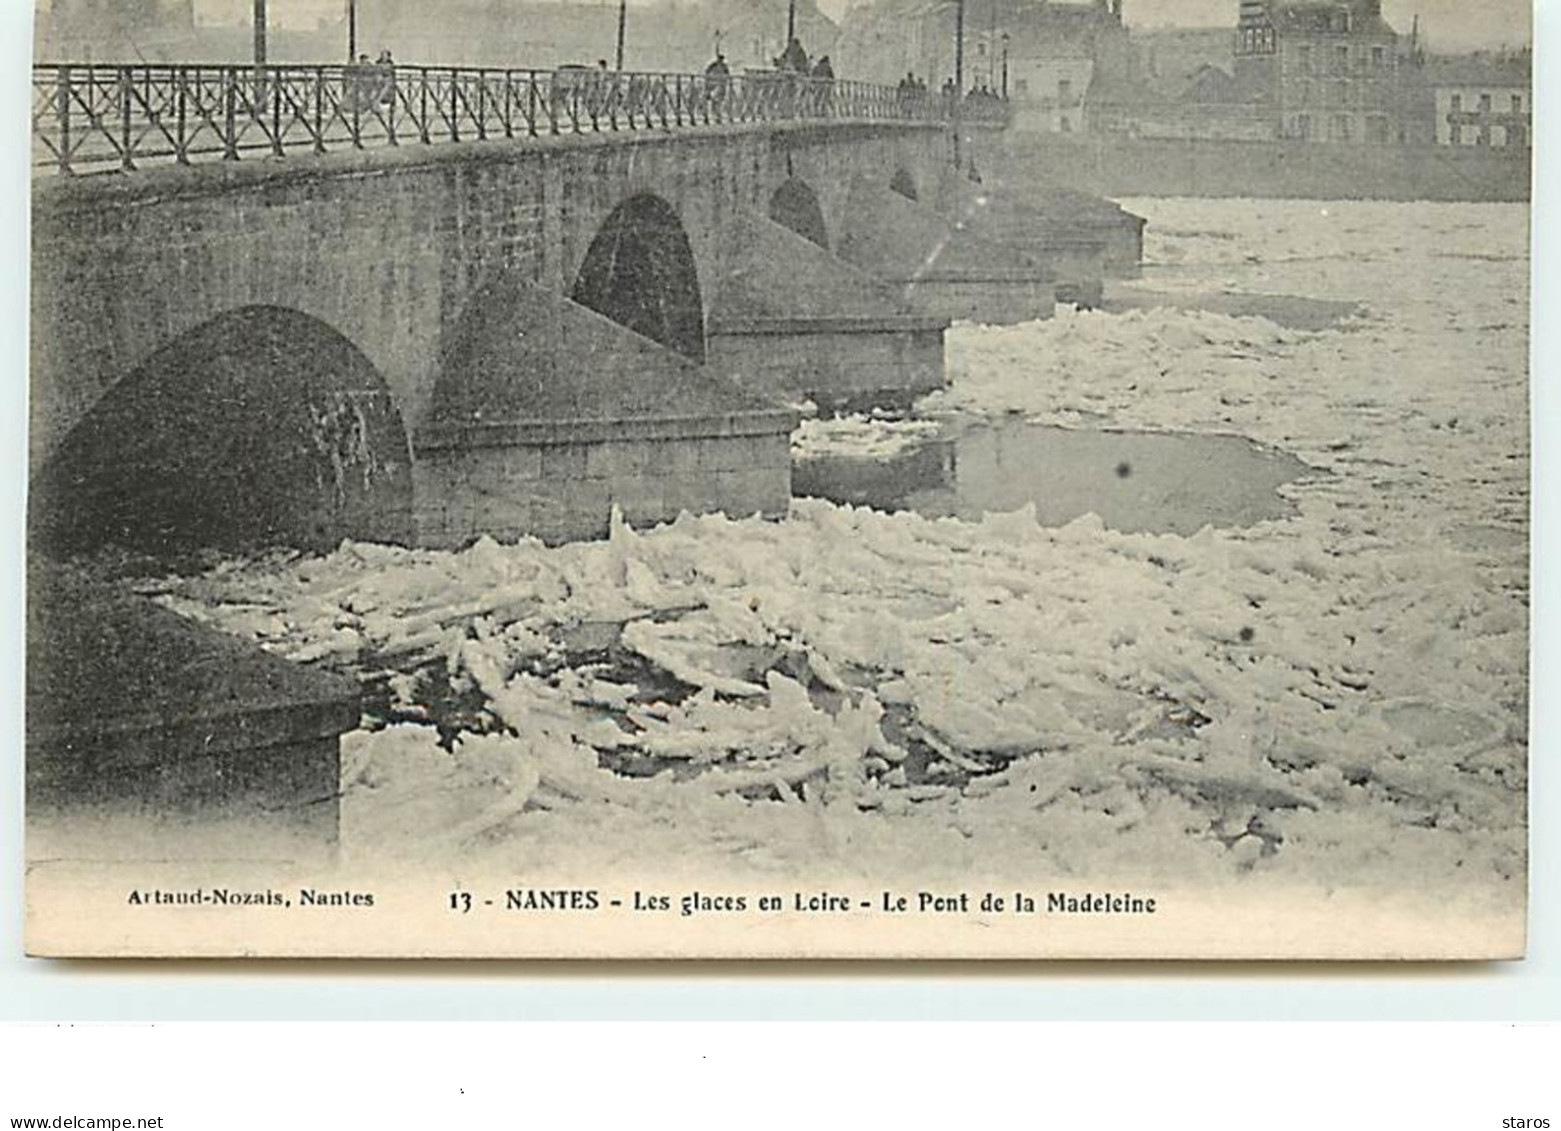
{"x": 1449, "y": 25}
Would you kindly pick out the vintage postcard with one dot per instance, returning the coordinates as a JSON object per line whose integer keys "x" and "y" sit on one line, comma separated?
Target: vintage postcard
{"x": 952, "y": 479}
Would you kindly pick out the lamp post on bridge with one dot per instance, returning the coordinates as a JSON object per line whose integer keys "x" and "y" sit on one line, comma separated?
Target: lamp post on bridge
{"x": 959, "y": 74}
{"x": 260, "y": 33}
{"x": 991, "y": 42}
{"x": 1005, "y": 66}
{"x": 623, "y": 18}
{"x": 959, "y": 48}
{"x": 352, "y": 31}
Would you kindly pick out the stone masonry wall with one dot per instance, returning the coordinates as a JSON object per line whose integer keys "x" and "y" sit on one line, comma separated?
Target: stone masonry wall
{"x": 387, "y": 246}
{"x": 561, "y": 491}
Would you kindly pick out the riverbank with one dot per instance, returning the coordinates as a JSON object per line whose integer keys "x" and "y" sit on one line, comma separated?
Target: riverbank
{"x": 1116, "y": 166}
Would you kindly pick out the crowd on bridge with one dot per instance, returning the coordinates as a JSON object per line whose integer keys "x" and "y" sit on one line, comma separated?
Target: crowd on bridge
{"x": 794, "y": 61}
{"x": 983, "y": 97}
{"x": 596, "y": 93}
{"x": 912, "y": 94}
{"x": 377, "y": 100}
{"x": 372, "y": 83}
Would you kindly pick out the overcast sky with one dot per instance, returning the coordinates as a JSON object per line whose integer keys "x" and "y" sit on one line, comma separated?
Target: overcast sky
{"x": 1448, "y": 24}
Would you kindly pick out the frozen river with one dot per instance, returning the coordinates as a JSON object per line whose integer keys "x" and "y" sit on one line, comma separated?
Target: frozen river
{"x": 1327, "y": 685}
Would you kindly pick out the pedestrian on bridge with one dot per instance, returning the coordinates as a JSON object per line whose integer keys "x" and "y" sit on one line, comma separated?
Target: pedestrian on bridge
{"x": 794, "y": 58}
{"x": 718, "y": 77}
{"x": 385, "y": 66}
{"x": 824, "y": 85}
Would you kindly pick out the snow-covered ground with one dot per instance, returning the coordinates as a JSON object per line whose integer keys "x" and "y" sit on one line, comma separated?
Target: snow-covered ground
{"x": 1336, "y": 699}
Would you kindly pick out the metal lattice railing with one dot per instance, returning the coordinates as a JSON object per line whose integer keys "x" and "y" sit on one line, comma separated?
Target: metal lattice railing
{"x": 99, "y": 118}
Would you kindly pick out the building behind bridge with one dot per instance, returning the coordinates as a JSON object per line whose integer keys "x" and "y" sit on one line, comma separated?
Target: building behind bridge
{"x": 1045, "y": 55}
{"x": 1331, "y": 73}
{"x": 660, "y": 36}
{"x": 1480, "y": 100}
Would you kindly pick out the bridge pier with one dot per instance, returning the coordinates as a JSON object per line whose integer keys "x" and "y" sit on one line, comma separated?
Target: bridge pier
{"x": 559, "y": 480}
{"x": 1083, "y": 240}
{"x": 790, "y": 320}
{"x": 942, "y": 269}
{"x": 202, "y": 742}
{"x": 547, "y": 415}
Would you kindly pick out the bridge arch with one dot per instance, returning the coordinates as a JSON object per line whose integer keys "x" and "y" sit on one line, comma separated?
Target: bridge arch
{"x": 640, "y": 272}
{"x": 904, "y": 183}
{"x": 796, "y": 206}
{"x": 261, "y": 426}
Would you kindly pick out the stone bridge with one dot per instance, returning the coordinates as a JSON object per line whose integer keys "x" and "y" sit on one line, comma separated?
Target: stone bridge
{"x": 269, "y": 309}
{"x": 427, "y": 343}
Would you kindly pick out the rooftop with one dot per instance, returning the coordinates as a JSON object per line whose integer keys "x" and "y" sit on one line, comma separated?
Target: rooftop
{"x": 1479, "y": 69}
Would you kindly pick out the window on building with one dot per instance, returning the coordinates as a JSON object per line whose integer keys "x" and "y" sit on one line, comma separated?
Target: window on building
{"x": 1457, "y": 104}
{"x": 1485, "y": 104}
{"x": 1303, "y": 126}
{"x": 1304, "y": 57}
{"x": 1340, "y": 127}
{"x": 1379, "y": 56}
{"x": 1341, "y": 58}
{"x": 1066, "y": 124}
{"x": 1455, "y": 135}
{"x": 1517, "y": 104}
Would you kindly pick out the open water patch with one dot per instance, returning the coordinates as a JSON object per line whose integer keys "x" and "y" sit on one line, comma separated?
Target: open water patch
{"x": 1157, "y": 482}
{"x": 1294, "y": 312}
